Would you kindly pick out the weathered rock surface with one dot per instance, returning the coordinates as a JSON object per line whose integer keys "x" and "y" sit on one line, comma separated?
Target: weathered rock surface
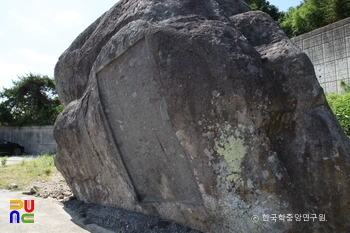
{"x": 200, "y": 112}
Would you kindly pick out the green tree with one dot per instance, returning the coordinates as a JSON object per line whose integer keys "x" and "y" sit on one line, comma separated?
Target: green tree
{"x": 313, "y": 14}
{"x": 339, "y": 9}
{"x": 340, "y": 105}
{"x": 31, "y": 101}
{"x": 264, "y": 6}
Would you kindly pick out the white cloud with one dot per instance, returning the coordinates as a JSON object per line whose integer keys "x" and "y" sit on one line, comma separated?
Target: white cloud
{"x": 20, "y": 62}
{"x": 25, "y": 23}
{"x": 68, "y": 16}
{"x": 16, "y": 16}
{"x": 45, "y": 29}
{"x": 10, "y": 71}
{"x": 35, "y": 57}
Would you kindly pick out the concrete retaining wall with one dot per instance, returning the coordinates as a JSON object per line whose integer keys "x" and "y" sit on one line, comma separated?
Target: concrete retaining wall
{"x": 329, "y": 50}
{"x": 35, "y": 139}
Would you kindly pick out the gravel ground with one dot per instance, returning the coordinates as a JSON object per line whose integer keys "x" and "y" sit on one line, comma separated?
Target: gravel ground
{"x": 123, "y": 221}
{"x": 107, "y": 217}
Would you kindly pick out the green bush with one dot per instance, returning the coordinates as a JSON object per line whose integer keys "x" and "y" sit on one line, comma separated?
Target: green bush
{"x": 47, "y": 171}
{"x": 4, "y": 160}
{"x": 340, "y": 105}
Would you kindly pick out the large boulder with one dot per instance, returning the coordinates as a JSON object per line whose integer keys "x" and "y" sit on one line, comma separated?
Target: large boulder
{"x": 201, "y": 112}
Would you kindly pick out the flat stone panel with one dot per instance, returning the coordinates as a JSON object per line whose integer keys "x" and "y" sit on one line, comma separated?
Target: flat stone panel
{"x": 347, "y": 43}
{"x": 347, "y": 30}
{"x": 347, "y": 80}
{"x": 338, "y": 33}
{"x": 150, "y": 150}
{"x": 327, "y": 36}
{"x": 317, "y": 55}
{"x": 319, "y": 70}
{"x": 328, "y": 48}
{"x": 348, "y": 62}
{"x": 35, "y": 139}
{"x": 309, "y": 53}
{"x": 299, "y": 43}
{"x": 340, "y": 48}
{"x": 333, "y": 87}
{"x": 342, "y": 69}
{"x": 307, "y": 44}
{"x": 325, "y": 88}
{"x": 316, "y": 40}
{"x": 332, "y": 52}
{"x": 329, "y": 71}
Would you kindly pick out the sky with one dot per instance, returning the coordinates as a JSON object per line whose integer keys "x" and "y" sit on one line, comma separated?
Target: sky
{"x": 34, "y": 33}
{"x": 284, "y": 5}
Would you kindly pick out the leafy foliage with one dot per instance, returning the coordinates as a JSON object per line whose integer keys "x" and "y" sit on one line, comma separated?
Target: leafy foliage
{"x": 31, "y": 101}
{"x": 340, "y": 105}
{"x": 313, "y": 14}
{"x": 308, "y": 16}
{"x": 264, "y": 6}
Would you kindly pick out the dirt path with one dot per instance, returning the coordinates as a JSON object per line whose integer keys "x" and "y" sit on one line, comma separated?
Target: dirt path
{"x": 96, "y": 218}
{"x": 56, "y": 187}
{"x": 50, "y": 215}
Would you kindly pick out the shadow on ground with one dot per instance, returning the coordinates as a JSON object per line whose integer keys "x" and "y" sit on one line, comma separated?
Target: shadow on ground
{"x": 119, "y": 220}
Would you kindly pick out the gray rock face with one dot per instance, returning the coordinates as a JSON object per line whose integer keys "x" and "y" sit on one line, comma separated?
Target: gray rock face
{"x": 204, "y": 113}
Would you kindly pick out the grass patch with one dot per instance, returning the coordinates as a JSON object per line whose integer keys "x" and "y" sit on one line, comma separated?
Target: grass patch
{"x": 27, "y": 171}
{"x": 4, "y": 160}
{"x": 340, "y": 105}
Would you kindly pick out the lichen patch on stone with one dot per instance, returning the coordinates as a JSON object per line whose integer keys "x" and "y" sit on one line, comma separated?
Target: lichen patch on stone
{"x": 233, "y": 150}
